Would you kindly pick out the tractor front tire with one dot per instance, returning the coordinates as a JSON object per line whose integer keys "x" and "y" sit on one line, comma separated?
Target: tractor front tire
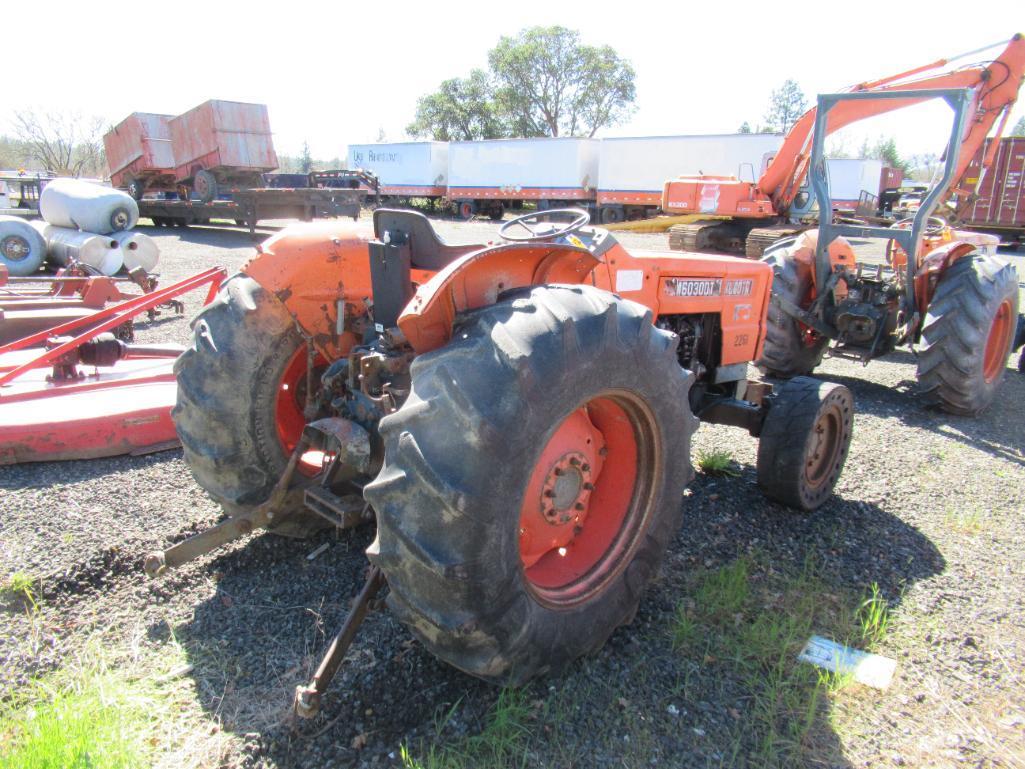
{"x": 790, "y": 349}
{"x": 968, "y": 334}
{"x": 804, "y": 442}
{"x": 532, "y": 480}
{"x": 234, "y": 388}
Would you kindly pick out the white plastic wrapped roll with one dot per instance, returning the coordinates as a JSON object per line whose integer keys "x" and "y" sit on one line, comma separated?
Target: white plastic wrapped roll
{"x": 101, "y": 252}
{"x": 22, "y": 248}
{"x": 87, "y": 206}
{"x": 139, "y": 250}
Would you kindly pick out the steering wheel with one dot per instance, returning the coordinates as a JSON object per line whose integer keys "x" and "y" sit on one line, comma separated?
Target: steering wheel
{"x": 580, "y": 219}
{"x": 895, "y": 256}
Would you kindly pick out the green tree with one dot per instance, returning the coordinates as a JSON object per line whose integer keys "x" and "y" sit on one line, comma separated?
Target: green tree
{"x": 548, "y": 83}
{"x": 543, "y": 82}
{"x": 461, "y": 109}
{"x": 305, "y": 159}
{"x": 786, "y": 105}
{"x": 885, "y": 149}
{"x": 1019, "y": 127}
{"x": 745, "y": 128}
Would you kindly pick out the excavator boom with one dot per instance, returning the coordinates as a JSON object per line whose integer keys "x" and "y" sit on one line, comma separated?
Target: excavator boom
{"x": 995, "y": 89}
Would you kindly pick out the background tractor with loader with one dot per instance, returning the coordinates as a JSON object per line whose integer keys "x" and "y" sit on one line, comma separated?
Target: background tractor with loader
{"x": 747, "y": 217}
{"x": 955, "y": 305}
{"x": 517, "y": 416}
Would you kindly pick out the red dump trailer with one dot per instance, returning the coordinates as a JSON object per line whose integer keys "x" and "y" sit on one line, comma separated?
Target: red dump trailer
{"x": 139, "y": 153}
{"x": 1000, "y": 206}
{"x": 222, "y": 145}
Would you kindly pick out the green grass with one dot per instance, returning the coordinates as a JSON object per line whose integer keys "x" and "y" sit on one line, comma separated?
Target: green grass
{"x": 963, "y": 521}
{"x": 753, "y": 622}
{"x": 22, "y": 587}
{"x": 503, "y": 741}
{"x": 92, "y": 714}
{"x": 717, "y": 462}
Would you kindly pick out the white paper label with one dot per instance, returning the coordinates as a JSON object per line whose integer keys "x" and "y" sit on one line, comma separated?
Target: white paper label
{"x": 629, "y": 280}
{"x": 869, "y": 669}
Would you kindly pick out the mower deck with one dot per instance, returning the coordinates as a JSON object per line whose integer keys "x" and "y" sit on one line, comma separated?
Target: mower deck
{"x": 124, "y": 409}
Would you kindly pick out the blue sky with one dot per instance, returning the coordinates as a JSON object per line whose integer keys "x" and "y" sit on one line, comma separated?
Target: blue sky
{"x": 335, "y": 73}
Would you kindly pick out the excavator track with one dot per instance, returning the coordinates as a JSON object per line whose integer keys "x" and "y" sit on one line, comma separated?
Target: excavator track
{"x": 760, "y": 238}
{"x": 715, "y": 236}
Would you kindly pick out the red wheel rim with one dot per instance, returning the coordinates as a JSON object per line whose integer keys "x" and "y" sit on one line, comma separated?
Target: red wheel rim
{"x": 998, "y": 342}
{"x": 589, "y": 499}
{"x": 823, "y": 447}
{"x": 289, "y": 405}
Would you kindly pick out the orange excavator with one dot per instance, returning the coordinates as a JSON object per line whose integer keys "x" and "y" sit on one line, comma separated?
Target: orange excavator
{"x": 760, "y": 213}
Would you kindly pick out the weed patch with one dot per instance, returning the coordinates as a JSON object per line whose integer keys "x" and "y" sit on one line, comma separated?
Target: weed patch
{"x": 753, "y": 622}
{"x": 717, "y": 462}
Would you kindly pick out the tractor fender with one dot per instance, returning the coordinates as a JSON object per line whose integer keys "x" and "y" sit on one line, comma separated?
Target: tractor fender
{"x": 320, "y": 271}
{"x": 933, "y": 266}
{"x": 476, "y": 279}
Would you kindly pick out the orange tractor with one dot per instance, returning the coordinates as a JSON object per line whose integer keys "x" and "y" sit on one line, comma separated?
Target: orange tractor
{"x": 517, "y": 417}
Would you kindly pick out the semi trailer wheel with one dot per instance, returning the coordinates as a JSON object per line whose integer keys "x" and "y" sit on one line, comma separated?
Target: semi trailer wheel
{"x": 791, "y": 348}
{"x": 137, "y": 188}
{"x": 804, "y": 442}
{"x": 968, "y": 333}
{"x": 241, "y": 393}
{"x": 532, "y": 481}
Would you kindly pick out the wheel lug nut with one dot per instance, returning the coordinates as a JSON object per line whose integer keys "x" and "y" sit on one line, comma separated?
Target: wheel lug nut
{"x": 602, "y": 451}
{"x": 588, "y": 486}
{"x": 574, "y": 461}
{"x": 586, "y": 468}
{"x": 578, "y": 506}
{"x": 558, "y": 471}
{"x": 549, "y": 493}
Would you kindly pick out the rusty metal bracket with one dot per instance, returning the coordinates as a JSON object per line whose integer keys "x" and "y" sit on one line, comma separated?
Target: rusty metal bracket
{"x": 307, "y": 698}
{"x": 237, "y": 526}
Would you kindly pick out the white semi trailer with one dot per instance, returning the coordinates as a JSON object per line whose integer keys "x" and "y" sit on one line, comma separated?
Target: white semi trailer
{"x": 633, "y": 170}
{"x": 404, "y": 169}
{"x": 487, "y": 177}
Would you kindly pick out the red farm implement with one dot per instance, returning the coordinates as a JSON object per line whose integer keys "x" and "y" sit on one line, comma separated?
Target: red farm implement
{"x": 74, "y": 390}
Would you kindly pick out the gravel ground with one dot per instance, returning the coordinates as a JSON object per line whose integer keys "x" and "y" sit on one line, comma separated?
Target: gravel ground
{"x": 928, "y": 508}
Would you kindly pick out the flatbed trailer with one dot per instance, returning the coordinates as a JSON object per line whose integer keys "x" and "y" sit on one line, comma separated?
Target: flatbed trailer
{"x": 248, "y": 207}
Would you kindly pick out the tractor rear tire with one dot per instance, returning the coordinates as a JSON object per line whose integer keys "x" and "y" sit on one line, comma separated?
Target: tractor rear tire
{"x": 804, "y": 442}
{"x": 456, "y": 495}
{"x": 789, "y": 348}
{"x": 967, "y": 335}
{"x": 229, "y": 383}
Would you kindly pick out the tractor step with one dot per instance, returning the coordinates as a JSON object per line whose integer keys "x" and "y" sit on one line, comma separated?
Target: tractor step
{"x": 343, "y": 511}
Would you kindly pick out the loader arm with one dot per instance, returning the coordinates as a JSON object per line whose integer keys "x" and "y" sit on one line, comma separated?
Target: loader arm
{"x": 995, "y": 86}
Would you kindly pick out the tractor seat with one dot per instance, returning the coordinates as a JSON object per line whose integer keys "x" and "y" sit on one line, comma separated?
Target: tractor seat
{"x": 427, "y": 251}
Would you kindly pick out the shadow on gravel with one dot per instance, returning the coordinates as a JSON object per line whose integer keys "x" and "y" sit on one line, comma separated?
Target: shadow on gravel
{"x": 705, "y": 676}
{"x": 997, "y": 431}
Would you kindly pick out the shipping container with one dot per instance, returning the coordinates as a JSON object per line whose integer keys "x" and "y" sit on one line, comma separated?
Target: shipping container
{"x": 1000, "y": 206}
{"x": 222, "y": 144}
{"x": 633, "y": 170}
{"x": 404, "y": 169}
{"x": 139, "y": 153}
{"x": 487, "y": 176}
